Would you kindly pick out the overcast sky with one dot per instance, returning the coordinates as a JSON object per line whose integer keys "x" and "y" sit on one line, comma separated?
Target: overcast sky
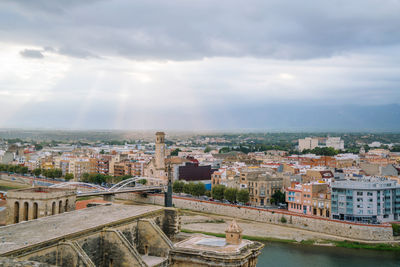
{"x": 181, "y": 64}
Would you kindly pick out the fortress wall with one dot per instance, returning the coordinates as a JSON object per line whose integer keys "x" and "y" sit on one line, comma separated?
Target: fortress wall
{"x": 322, "y": 225}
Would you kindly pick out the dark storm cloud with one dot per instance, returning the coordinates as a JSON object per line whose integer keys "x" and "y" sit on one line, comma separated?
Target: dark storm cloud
{"x": 30, "y": 53}
{"x": 181, "y": 30}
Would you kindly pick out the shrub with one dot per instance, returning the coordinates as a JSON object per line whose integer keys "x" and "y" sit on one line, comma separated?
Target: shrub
{"x": 396, "y": 229}
{"x": 283, "y": 219}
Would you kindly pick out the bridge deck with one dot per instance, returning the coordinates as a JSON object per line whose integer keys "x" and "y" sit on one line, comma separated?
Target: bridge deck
{"x": 24, "y": 234}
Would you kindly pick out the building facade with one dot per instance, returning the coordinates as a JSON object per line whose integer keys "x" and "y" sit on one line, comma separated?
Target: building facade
{"x": 367, "y": 200}
{"x": 310, "y": 199}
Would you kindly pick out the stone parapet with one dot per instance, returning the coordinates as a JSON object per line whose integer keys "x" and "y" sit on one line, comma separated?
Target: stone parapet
{"x": 322, "y": 225}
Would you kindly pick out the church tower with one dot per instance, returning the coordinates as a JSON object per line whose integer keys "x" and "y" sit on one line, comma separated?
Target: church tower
{"x": 160, "y": 151}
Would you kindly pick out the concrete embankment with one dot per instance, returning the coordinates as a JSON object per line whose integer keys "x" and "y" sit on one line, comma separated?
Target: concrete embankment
{"x": 362, "y": 232}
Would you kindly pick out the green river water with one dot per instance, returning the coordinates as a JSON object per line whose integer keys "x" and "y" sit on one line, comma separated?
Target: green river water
{"x": 289, "y": 255}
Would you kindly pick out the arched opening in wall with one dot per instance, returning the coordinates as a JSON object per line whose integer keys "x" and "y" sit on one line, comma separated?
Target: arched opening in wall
{"x": 16, "y": 212}
{"x": 53, "y": 208}
{"x": 26, "y": 211}
{"x": 35, "y": 210}
{"x": 66, "y": 205}
{"x": 60, "y": 207}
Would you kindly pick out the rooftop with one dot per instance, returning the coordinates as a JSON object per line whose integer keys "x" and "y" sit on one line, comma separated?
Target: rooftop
{"x": 16, "y": 236}
{"x": 204, "y": 243}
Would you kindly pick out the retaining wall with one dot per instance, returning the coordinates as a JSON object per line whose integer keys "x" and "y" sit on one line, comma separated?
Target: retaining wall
{"x": 322, "y": 225}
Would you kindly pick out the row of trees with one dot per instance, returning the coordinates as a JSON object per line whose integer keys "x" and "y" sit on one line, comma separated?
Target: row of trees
{"x": 52, "y": 173}
{"x": 233, "y": 195}
{"x": 322, "y": 151}
{"x": 13, "y": 168}
{"x": 286, "y": 146}
{"x": 96, "y": 178}
{"x": 218, "y": 192}
{"x": 195, "y": 189}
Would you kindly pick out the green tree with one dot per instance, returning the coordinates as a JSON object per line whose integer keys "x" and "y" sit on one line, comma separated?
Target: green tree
{"x": 143, "y": 181}
{"x": 230, "y": 194}
{"x": 199, "y": 189}
{"x": 177, "y": 186}
{"x": 217, "y": 192}
{"x": 49, "y": 173}
{"x": 69, "y": 176}
{"x": 186, "y": 188}
{"x": 278, "y": 197}
{"x": 175, "y": 152}
{"x": 24, "y": 170}
{"x": 208, "y": 149}
{"x": 37, "y": 171}
{"x": 224, "y": 150}
{"x": 57, "y": 173}
{"x": 208, "y": 193}
{"x": 85, "y": 177}
{"x": 102, "y": 151}
{"x": 243, "y": 196}
{"x": 38, "y": 147}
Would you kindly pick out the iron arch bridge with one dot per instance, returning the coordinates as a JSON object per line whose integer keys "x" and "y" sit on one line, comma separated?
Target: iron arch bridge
{"x": 129, "y": 185}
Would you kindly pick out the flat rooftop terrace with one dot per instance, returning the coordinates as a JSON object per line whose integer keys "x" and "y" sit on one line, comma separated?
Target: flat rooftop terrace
{"x": 24, "y": 234}
{"x": 212, "y": 244}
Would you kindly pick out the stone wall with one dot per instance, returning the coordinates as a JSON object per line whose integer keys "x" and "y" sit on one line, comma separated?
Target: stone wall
{"x": 33, "y": 203}
{"x": 326, "y": 226}
{"x": 119, "y": 243}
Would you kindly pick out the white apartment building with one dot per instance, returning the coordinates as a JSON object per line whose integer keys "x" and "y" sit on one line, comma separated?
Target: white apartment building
{"x": 308, "y": 143}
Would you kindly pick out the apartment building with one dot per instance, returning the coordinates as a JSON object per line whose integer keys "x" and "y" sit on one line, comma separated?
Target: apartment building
{"x": 307, "y": 143}
{"x": 335, "y": 142}
{"x": 367, "y": 200}
{"x": 309, "y": 198}
{"x": 103, "y": 163}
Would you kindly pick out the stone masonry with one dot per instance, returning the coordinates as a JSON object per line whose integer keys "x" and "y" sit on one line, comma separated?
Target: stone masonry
{"x": 37, "y": 202}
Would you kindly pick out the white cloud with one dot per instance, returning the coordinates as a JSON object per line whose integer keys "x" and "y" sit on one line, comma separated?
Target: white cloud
{"x": 143, "y": 62}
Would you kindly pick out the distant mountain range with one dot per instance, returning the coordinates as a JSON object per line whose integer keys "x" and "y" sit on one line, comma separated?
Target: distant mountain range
{"x": 316, "y": 117}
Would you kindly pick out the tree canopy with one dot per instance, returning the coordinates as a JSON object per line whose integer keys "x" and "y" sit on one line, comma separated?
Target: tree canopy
{"x": 217, "y": 192}
{"x": 243, "y": 196}
{"x": 230, "y": 194}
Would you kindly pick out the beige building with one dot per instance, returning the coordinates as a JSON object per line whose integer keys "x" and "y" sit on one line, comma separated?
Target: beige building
{"x": 33, "y": 203}
{"x": 308, "y": 143}
{"x": 261, "y": 185}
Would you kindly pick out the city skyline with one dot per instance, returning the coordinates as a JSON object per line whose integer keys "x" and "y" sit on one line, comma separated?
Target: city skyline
{"x": 200, "y": 65}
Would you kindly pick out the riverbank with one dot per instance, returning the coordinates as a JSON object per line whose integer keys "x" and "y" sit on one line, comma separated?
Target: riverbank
{"x": 8, "y": 185}
{"x": 196, "y": 222}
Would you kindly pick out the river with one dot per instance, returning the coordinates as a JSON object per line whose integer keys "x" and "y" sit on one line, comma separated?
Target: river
{"x": 290, "y": 255}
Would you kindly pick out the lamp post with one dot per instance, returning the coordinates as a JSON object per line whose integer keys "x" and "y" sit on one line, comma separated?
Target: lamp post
{"x": 168, "y": 193}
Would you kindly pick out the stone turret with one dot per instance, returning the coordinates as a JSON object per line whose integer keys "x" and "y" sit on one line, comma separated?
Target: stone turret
{"x": 233, "y": 233}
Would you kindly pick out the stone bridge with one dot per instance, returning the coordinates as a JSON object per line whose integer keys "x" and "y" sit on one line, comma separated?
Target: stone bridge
{"x": 116, "y": 235}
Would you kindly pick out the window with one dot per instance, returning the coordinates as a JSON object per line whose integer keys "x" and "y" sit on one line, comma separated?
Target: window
{"x": 369, "y": 194}
{"x": 359, "y": 199}
{"x": 359, "y": 193}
